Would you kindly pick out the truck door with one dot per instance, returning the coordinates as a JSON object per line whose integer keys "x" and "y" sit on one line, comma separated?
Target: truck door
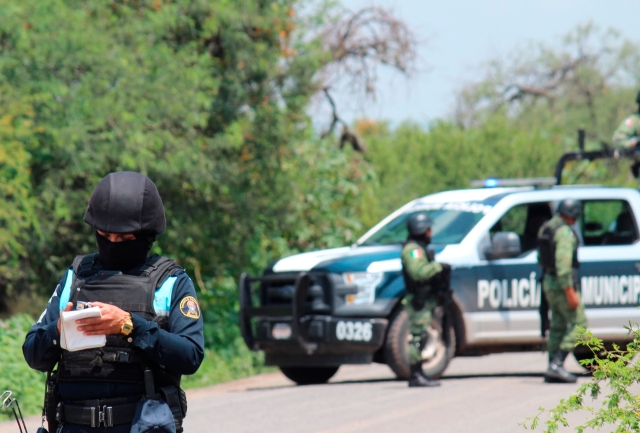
{"x": 610, "y": 267}
{"x": 508, "y": 291}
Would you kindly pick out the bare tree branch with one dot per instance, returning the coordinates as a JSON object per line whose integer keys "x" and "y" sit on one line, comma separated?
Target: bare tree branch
{"x": 358, "y": 45}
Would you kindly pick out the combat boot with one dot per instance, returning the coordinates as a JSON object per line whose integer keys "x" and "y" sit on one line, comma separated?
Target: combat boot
{"x": 556, "y": 372}
{"x": 418, "y": 378}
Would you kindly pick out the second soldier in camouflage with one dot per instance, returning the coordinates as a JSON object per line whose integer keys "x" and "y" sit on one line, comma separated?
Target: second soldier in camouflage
{"x": 557, "y": 255}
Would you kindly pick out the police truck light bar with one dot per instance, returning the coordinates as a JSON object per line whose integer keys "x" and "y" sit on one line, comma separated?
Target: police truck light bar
{"x": 494, "y": 183}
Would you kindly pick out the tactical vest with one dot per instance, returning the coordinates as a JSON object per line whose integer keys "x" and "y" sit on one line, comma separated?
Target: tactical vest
{"x": 412, "y": 285}
{"x": 134, "y": 292}
{"x": 547, "y": 248}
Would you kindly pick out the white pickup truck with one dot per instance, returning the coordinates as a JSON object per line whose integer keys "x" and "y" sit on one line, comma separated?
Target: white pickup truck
{"x": 312, "y": 312}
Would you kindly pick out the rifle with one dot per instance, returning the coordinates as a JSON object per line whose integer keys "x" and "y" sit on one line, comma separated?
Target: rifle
{"x": 543, "y": 309}
{"x": 441, "y": 285}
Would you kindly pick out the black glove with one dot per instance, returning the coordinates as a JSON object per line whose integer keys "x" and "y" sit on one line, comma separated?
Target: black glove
{"x": 419, "y": 299}
{"x": 441, "y": 282}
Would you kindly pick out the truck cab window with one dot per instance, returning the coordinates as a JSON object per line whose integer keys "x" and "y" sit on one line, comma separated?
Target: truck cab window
{"x": 525, "y": 220}
{"x": 608, "y": 222}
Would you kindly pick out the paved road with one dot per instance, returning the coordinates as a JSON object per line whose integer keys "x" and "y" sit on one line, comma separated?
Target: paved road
{"x": 484, "y": 394}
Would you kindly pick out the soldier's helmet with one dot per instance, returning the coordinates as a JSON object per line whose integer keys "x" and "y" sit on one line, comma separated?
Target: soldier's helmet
{"x": 126, "y": 202}
{"x": 419, "y": 223}
{"x": 570, "y": 208}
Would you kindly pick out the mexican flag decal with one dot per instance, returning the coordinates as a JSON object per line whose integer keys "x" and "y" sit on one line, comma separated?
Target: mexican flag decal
{"x": 417, "y": 253}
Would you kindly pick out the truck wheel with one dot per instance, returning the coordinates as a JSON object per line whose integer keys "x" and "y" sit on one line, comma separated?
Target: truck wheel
{"x": 436, "y": 354}
{"x": 309, "y": 375}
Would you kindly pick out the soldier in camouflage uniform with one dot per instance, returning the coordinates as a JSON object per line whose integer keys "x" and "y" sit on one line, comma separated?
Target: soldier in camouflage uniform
{"x": 628, "y": 133}
{"x": 557, "y": 255}
{"x": 418, "y": 267}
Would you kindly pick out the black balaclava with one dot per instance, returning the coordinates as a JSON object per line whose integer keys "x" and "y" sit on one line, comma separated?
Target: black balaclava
{"x": 123, "y": 256}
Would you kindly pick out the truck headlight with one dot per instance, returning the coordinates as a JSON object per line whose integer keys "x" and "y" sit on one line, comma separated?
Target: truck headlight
{"x": 366, "y": 283}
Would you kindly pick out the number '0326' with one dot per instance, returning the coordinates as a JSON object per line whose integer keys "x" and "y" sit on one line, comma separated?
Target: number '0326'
{"x": 354, "y": 331}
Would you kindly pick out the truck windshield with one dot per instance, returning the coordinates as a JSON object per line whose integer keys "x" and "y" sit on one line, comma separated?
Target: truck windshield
{"x": 449, "y": 227}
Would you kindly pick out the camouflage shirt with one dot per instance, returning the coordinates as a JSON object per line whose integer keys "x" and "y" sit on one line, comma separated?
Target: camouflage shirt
{"x": 566, "y": 243}
{"x": 628, "y": 132}
{"x": 417, "y": 264}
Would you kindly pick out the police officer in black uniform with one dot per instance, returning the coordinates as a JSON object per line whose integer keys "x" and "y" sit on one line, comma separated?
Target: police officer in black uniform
{"x": 150, "y": 316}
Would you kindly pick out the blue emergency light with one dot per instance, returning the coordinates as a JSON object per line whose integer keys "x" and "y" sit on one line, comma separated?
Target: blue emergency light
{"x": 492, "y": 182}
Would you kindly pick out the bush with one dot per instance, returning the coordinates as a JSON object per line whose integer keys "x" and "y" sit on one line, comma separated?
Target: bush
{"x": 615, "y": 369}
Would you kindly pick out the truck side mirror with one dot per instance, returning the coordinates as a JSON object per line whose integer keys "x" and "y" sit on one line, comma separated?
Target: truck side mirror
{"x": 504, "y": 245}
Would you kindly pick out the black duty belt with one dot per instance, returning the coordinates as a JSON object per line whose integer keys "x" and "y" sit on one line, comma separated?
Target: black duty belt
{"x": 97, "y": 412}
{"x": 119, "y": 356}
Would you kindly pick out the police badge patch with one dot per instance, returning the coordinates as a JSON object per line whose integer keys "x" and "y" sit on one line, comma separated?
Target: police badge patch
{"x": 189, "y": 307}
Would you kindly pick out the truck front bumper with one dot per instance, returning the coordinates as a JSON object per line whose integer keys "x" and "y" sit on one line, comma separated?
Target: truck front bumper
{"x": 291, "y": 338}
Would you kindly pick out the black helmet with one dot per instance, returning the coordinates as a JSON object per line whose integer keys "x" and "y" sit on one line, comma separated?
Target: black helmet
{"x": 570, "y": 208}
{"x": 638, "y": 98}
{"x": 126, "y": 202}
{"x": 419, "y": 223}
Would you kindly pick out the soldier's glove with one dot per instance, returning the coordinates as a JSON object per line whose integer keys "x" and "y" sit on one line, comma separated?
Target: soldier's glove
{"x": 419, "y": 299}
{"x": 441, "y": 281}
{"x": 446, "y": 271}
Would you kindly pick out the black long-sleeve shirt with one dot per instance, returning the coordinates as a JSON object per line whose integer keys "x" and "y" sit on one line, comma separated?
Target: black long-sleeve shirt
{"x": 180, "y": 349}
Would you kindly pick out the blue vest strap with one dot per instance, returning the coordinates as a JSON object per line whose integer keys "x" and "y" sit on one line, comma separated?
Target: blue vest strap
{"x": 66, "y": 291}
{"x": 162, "y": 297}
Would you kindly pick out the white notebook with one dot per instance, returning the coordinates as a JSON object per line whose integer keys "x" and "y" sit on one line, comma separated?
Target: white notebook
{"x": 73, "y": 340}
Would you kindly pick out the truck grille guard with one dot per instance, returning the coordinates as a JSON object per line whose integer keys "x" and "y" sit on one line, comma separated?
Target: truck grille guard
{"x": 295, "y": 313}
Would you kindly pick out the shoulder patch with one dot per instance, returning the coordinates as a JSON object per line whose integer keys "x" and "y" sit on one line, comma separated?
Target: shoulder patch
{"x": 189, "y": 307}
{"x": 629, "y": 121}
{"x": 416, "y": 253}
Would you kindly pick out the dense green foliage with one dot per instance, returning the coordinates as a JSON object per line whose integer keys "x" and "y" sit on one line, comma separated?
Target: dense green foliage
{"x": 411, "y": 162}
{"x": 26, "y": 384}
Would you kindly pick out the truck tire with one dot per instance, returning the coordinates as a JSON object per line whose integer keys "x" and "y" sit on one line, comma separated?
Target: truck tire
{"x": 309, "y": 375}
{"x": 437, "y": 355}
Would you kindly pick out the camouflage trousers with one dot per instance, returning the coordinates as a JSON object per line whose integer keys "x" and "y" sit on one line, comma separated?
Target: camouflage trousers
{"x": 419, "y": 321}
{"x": 564, "y": 321}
